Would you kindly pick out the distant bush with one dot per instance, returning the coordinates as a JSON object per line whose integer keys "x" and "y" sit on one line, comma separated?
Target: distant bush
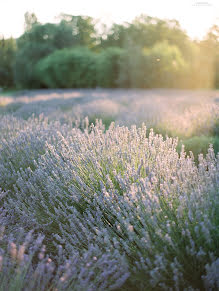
{"x": 164, "y": 66}
{"x": 68, "y": 68}
{"x": 109, "y": 67}
{"x": 160, "y": 66}
{"x": 133, "y": 70}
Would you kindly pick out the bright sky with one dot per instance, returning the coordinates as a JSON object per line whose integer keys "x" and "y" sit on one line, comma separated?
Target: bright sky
{"x": 194, "y": 16}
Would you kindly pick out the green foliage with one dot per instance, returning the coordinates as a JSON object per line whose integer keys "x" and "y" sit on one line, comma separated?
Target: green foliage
{"x": 109, "y": 67}
{"x": 26, "y": 58}
{"x": 148, "y": 52}
{"x": 146, "y": 31}
{"x": 105, "y": 119}
{"x": 160, "y": 66}
{"x": 82, "y": 29}
{"x": 204, "y": 61}
{"x": 164, "y": 65}
{"x": 68, "y": 68}
{"x": 216, "y": 144}
{"x": 201, "y": 71}
{"x": 199, "y": 144}
{"x": 39, "y": 41}
{"x": 132, "y": 67}
{"x": 216, "y": 128}
{"x": 159, "y": 39}
{"x": 116, "y": 36}
{"x": 7, "y": 54}
{"x": 212, "y": 51}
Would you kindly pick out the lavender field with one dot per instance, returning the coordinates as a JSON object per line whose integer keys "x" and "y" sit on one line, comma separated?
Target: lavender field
{"x": 109, "y": 190}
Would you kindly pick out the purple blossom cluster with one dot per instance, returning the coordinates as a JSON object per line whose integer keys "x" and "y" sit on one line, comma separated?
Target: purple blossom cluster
{"x": 84, "y": 208}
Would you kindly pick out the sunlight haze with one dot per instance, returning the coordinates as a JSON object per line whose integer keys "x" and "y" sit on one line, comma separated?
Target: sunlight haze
{"x": 195, "y": 17}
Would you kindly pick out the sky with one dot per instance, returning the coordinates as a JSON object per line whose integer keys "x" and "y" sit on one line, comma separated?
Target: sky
{"x": 195, "y": 17}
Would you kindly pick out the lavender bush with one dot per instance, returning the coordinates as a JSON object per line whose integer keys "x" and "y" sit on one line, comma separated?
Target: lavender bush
{"x": 179, "y": 113}
{"x": 26, "y": 266}
{"x": 21, "y": 143}
{"x": 85, "y": 208}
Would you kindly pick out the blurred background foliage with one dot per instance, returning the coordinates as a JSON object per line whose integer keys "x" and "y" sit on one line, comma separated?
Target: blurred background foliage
{"x": 67, "y": 68}
{"x": 7, "y": 58}
{"x": 76, "y": 52}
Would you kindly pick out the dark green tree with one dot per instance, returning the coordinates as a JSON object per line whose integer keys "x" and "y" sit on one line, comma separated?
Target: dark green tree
{"x": 7, "y": 56}
{"x": 40, "y": 40}
{"x": 146, "y": 31}
{"x": 116, "y": 36}
{"x": 82, "y": 28}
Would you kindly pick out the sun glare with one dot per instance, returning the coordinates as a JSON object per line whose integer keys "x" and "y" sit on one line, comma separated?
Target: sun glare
{"x": 195, "y": 17}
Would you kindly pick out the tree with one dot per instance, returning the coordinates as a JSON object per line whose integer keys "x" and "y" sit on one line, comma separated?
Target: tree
{"x": 40, "y": 40}
{"x": 7, "y": 56}
{"x": 83, "y": 29}
{"x": 116, "y": 36}
{"x": 30, "y": 21}
{"x": 68, "y": 68}
{"x": 146, "y": 31}
{"x": 212, "y": 41}
{"x": 109, "y": 61}
{"x": 164, "y": 65}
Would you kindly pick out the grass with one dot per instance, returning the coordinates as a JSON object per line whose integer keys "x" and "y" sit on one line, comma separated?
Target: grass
{"x": 9, "y": 92}
{"x": 199, "y": 145}
{"x": 106, "y": 120}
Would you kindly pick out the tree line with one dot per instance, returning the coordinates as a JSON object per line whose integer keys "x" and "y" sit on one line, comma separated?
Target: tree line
{"x": 77, "y": 53}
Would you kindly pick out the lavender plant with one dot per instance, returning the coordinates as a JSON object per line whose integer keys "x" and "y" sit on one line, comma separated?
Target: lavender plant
{"x": 21, "y": 144}
{"x": 24, "y": 265}
{"x": 90, "y": 208}
{"x": 126, "y": 198}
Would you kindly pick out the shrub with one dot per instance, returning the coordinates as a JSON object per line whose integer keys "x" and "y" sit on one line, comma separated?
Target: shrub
{"x": 132, "y": 68}
{"x": 109, "y": 67}
{"x": 164, "y": 66}
{"x": 21, "y": 144}
{"x": 131, "y": 198}
{"x": 40, "y": 40}
{"x": 68, "y": 68}
{"x": 25, "y": 266}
